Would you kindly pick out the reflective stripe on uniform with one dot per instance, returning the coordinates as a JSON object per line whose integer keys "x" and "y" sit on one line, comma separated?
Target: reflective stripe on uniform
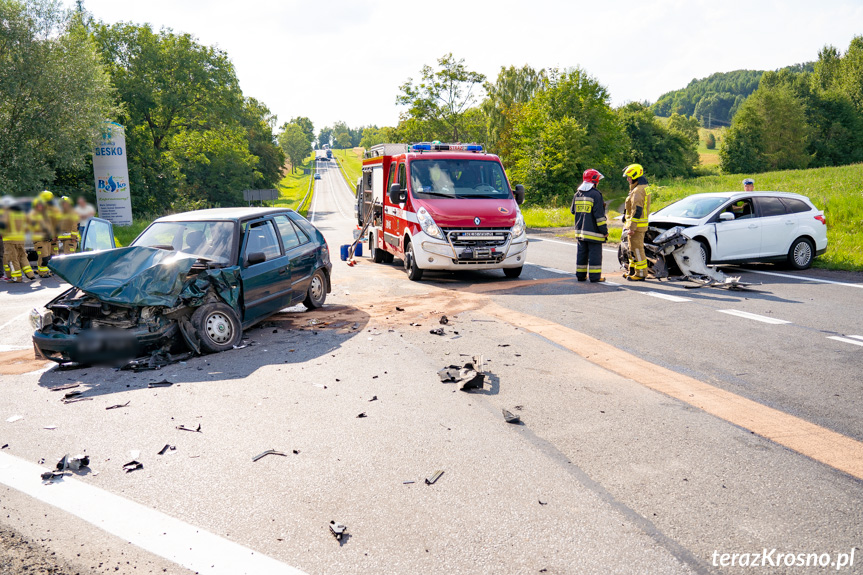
{"x": 583, "y": 206}
{"x": 580, "y": 269}
{"x": 583, "y": 235}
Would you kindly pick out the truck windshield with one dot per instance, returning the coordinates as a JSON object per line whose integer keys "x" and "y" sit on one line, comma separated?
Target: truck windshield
{"x": 441, "y": 178}
{"x": 212, "y": 241}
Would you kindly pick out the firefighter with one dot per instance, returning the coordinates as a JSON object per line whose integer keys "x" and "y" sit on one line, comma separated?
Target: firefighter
{"x": 635, "y": 221}
{"x": 591, "y": 229}
{"x": 43, "y": 232}
{"x": 15, "y": 262}
{"x": 67, "y": 230}
{"x": 54, "y": 215}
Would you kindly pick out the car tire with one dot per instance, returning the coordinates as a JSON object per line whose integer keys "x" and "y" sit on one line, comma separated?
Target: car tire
{"x": 512, "y": 272}
{"x": 415, "y": 274}
{"x": 378, "y": 255}
{"x": 317, "y": 293}
{"x": 705, "y": 251}
{"x": 801, "y": 254}
{"x": 217, "y": 326}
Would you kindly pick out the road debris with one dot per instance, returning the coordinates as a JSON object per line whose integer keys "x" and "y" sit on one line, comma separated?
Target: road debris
{"x": 133, "y": 466}
{"x": 65, "y": 464}
{"x": 268, "y": 452}
{"x": 375, "y": 398}
{"x": 436, "y": 331}
{"x": 543, "y": 502}
{"x": 184, "y": 428}
{"x": 50, "y": 427}
{"x": 400, "y": 308}
{"x": 338, "y": 530}
{"x": 363, "y": 414}
{"x": 444, "y": 320}
{"x": 168, "y": 447}
{"x": 77, "y": 399}
{"x": 65, "y": 387}
{"x": 163, "y": 383}
{"x": 511, "y": 417}
{"x": 72, "y": 394}
{"x": 407, "y": 482}
{"x": 14, "y": 418}
{"x": 434, "y": 477}
{"x": 119, "y": 405}
{"x": 470, "y": 376}
{"x": 5, "y": 445}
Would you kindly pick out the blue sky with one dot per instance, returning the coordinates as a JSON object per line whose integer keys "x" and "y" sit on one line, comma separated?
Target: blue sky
{"x": 338, "y": 60}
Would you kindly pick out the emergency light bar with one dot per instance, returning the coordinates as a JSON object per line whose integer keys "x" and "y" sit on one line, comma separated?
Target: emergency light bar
{"x": 438, "y": 147}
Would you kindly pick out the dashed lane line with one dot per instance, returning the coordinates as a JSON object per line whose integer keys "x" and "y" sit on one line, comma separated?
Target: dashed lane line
{"x": 753, "y": 316}
{"x": 801, "y": 278}
{"x": 858, "y": 341}
{"x": 666, "y": 296}
{"x": 184, "y": 544}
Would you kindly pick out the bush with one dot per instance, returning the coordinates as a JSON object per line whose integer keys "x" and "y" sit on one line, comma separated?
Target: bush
{"x": 711, "y": 141}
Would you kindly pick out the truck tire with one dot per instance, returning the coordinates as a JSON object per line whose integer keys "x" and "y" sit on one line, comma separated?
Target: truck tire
{"x": 317, "y": 294}
{"x": 378, "y": 255}
{"x": 217, "y": 326}
{"x": 415, "y": 274}
{"x": 512, "y": 272}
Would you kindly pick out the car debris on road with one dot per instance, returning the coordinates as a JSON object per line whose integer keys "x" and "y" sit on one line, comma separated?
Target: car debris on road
{"x": 268, "y": 452}
{"x": 168, "y": 447}
{"x": 338, "y": 530}
{"x": 184, "y": 428}
{"x": 435, "y": 476}
{"x": 510, "y": 417}
{"x": 119, "y": 405}
{"x": 133, "y": 466}
{"x": 470, "y": 375}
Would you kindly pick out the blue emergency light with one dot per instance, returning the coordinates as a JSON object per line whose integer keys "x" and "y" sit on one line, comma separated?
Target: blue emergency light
{"x": 439, "y": 147}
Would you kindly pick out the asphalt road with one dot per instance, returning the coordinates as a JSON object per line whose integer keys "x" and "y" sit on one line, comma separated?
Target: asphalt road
{"x": 606, "y": 474}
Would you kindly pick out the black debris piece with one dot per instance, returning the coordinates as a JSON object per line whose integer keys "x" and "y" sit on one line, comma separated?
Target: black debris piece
{"x": 63, "y": 464}
{"x": 543, "y": 502}
{"x": 268, "y": 452}
{"x": 363, "y": 414}
{"x": 511, "y": 417}
{"x": 168, "y": 447}
{"x": 77, "y": 399}
{"x": 407, "y": 482}
{"x": 375, "y": 398}
{"x": 519, "y": 407}
{"x": 296, "y": 451}
{"x": 338, "y": 530}
{"x": 157, "y": 360}
{"x": 163, "y": 383}
{"x": 470, "y": 376}
{"x": 65, "y": 387}
{"x": 119, "y": 405}
{"x": 436, "y": 331}
{"x": 275, "y": 331}
{"x": 78, "y": 463}
{"x": 184, "y": 428}
{"x": 434, "y": 477}
{"x": 416, "y": 324}
{"x": 400, "y": 308}
{"x": 444, "y": 320}
{"x": 133, "y": 466}
{"x": 5, "y": 445}
{"x": 72, "y": 394}
{"x": 503, "y": 345}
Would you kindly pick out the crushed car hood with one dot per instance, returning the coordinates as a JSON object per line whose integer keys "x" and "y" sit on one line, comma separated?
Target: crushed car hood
{"x": 134, "y": 275}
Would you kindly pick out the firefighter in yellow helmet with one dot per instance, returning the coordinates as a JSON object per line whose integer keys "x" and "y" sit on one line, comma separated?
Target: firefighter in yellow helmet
{"x": 635, "y": 221}
{"x": 42, "y": 227}
{"x": 67, "y": 229}
{"x": 55, "y": 215}
{"x": 15, "y": 262}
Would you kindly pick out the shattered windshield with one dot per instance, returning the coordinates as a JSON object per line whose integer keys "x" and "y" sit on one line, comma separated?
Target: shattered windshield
{"x": 458, "y": 179}
{"x": 695, "y": 207}
{"x": 213, "y": 241}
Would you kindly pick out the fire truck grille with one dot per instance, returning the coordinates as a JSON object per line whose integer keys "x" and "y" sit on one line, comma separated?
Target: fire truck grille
{"x": 477, "y": 237}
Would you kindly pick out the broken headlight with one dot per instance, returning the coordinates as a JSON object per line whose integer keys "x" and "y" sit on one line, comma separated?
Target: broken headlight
{"x": 667, "y": 234}
{"x": 41, "y": 320}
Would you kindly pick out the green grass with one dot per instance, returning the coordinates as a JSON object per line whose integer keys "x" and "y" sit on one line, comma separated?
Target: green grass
{"x": 293, "y": 187}
{"x": 351, "y": 165}
{"x": 125, "y": 234}
{"x": 837, "y": 191}
{"x": 538, "y": 217}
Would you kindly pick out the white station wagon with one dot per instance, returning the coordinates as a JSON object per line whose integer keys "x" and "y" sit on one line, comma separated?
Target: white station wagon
{"x": 738, "y": 227}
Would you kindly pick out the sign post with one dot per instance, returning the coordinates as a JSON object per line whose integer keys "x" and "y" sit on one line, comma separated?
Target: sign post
{"x": 111, "y": 172}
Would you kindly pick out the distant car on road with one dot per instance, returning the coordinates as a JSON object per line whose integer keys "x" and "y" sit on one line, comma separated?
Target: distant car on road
{"x": 317, "y": 176}
{"x": 198, "y": 277}
{"x": 740, "y": 227}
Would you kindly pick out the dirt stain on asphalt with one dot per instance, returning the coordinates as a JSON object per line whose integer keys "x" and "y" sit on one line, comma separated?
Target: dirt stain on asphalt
{"x": 20, "y": 361}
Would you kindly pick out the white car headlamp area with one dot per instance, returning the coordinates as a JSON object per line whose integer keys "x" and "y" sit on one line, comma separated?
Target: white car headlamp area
{"x": 518, "y": 228}
{"x": 428, "y": 224}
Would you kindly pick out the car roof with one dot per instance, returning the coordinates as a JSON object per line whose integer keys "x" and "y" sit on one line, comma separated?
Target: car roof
{"x": 226, "y": 214}
{"x": 751, "y": 194}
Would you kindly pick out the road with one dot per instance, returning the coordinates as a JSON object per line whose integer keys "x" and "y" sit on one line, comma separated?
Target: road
{"x": 659, "y": 431}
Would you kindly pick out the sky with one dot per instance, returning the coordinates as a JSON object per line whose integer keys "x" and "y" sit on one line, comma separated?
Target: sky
{"x": 337, "y": 60}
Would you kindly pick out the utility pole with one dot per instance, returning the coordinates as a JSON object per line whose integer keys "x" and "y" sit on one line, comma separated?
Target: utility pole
{"x": 709, "y": 120}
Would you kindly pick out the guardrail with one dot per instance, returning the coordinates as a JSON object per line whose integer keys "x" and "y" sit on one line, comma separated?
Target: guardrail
{"x": 307, "y": 199}
{"x": 351, "y": 186}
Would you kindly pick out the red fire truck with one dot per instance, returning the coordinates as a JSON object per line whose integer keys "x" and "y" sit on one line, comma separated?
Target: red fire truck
{"x": 440, "y": 207}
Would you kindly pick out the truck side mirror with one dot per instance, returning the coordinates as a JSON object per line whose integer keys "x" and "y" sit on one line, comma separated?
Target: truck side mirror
{"x": 395, "y": 194}
{"x": 519, "y": 194}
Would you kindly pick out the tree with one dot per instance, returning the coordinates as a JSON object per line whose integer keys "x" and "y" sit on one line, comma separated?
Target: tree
{"x": 343, "y": 140}
{"x": 513, "y": 87}
{"x": 442, "y": 97}
{"x": 305, "y": 125}
{"x": 663, "y": 152}
{"x": 710, "y": 142}
{"x": 325, "y": 137}
{"x": 373, "y": 135}
{"x": 295, "y": 145}
{"x": 258, "y": 122}
{"x": 54, "y": 94}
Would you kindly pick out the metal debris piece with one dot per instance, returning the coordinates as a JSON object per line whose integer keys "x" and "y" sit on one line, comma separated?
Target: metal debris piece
{"x": 511, "y": 417}
{"x": 407, "y": 482}
{"x": 470, "y": 375}
{"x": 133, "y": 466}
{"x": 434, "y": 477}
{"x": 77, "y": 399}
{"x": 163, "y": 383}
{"x": 444, "y": 320}
{"x": 65, "y": 387}
{"x": 363, "y": 414}
{"x": 266, "y": 453}
{"x": 119, "y": 405}
{"x": 168, "y": 447}
{"x": 76, "y": 463}
{"x": 338, "y": 530}
{"x": 375, "y": 398}
{"x": 184, "y": 428}
{"x": 436, "y": 331}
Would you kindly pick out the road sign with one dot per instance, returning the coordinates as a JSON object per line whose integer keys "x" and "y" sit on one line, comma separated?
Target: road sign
{"x": 260, "y": 195}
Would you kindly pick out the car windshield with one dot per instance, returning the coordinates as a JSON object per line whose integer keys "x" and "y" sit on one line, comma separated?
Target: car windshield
{"x": 695, "y": 207}
{"x": 212, "y": 241}
{"x": 458, "y": 179}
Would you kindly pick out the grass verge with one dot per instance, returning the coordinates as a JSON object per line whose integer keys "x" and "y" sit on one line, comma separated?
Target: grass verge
{"x": 351, "y": 162}
{"x": 293, "y": 187}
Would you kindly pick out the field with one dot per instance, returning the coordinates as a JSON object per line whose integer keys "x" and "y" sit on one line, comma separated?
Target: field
{"x": 293, "y": 187}
{"x": 837, "y": 191}
{"x": 351, "y": 162}
{"x": 710, "y": 157}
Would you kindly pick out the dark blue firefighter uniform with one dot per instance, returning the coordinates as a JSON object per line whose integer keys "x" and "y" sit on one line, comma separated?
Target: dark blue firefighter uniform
{"x": 591, "y": 231}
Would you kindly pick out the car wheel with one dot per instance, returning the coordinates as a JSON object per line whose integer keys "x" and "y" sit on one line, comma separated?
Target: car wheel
{"x": 705, "y": 251}
{"x": 512, "y": 272}
{"x": 317, "y": 294}
{"x": 801, "y": 254}
{"x": 376, "y": 253}
{"x": 415, "y": 274}
{"x": 217, "y": 326}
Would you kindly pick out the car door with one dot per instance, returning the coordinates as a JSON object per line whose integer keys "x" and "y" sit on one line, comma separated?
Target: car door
{"x": 739, "y": 238}
{"x": 302, "y": 253}
{"x": 777, "y": 226}
{"x": 266, "y": 272}
{"x": 98, "y": 235}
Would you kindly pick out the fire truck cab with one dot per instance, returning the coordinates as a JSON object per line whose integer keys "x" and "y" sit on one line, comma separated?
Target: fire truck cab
{"x": 440, "y": 207}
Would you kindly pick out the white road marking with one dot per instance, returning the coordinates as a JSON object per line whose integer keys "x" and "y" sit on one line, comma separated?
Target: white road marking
{"x": 666, "y": 296}
{"x": 556, "y": 271}
{"x": 756, "y": 317}
{"x": 857, "y": 336}
{"x": 803, "y": 279}
{"x": 847, "y": 339}
{"x": 184, "y": 544}
{"x": 13, "y": 320}
{"x": 314, "y": 203}
{"x": 608, "y": 283}
{"x": 14, "y": 347}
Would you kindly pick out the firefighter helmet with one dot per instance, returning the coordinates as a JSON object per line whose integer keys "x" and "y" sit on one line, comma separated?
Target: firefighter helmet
{"x": 66, "y": 199}
{"x": 592, "y": 176}
{"x": 634, "y": 171}
{"x": 46, "y": 196}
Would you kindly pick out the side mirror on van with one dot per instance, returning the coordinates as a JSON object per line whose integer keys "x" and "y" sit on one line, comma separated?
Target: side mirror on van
{"x": 519, "y": 194}
{"x": 395, "y": 194}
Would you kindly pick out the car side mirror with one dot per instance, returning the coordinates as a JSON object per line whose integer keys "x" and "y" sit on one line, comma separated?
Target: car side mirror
{"x": 256, "y": 258}
{"x": 726, "y": 217}
{"x": 519, "y": 194}
{"x": 395, "y": 194}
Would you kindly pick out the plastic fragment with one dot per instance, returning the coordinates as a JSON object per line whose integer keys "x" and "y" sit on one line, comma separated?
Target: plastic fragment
{"x": 338, "y": 530}
{"x": 119, "y": 405}
{"x": 511, "y": 417}
{"x": 184, "y": 428}
{"x": 133, "y": 466}
{"x": 444, "y": 320}
{"x": 163, "y": 383}
{"x": 363, "y": 414}
{"x": 435, "y": 476}
{"x": 168, "y": 447}
{"x": 375, "y": 398}
{"x": 436, "y": 331}
{"x": 266, "y": 453}
{"x": 14, "y": 418}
